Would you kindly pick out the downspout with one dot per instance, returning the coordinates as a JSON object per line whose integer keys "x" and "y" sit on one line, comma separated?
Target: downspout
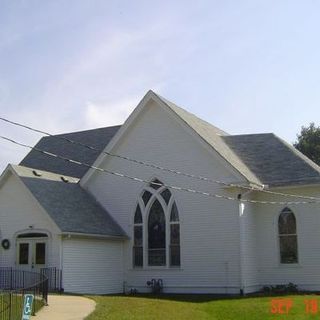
{"x": 242, "y": 246}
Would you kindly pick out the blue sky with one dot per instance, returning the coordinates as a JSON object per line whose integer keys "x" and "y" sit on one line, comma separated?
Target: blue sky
{"x": 244, "y": 66}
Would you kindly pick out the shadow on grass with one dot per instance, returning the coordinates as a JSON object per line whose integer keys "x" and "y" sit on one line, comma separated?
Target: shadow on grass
{"x": 203, "y": 298}
{"x": 192, "y": 298}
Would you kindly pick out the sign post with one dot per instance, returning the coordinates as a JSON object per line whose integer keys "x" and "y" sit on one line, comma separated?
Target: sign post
{"x": 27, "y": 306}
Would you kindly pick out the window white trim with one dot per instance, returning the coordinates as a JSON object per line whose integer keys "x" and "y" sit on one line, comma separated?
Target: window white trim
{"x": 287, "y": 264}
{"x": 145, "y": 211}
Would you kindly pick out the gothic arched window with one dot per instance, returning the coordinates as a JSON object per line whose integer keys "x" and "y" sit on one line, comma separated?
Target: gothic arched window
{"x": 288, "y": 243}
{"x": 157, "y": 220}
{"x": 138, "y": 238}
{"x": 156, "y": 235}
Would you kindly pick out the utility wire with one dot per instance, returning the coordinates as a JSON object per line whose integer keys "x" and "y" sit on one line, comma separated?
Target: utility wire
{"x": 154, "y": 183}
{"x": 154, "y": 166}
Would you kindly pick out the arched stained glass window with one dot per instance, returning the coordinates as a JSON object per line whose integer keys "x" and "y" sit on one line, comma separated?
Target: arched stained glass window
{"x": 174, "y": 216}
{"x": 288, "y": 243}
{"x": 138, "y": 238}
{"x": 166, "y": 195}
{"x": 159, "y": 222}
{"x": 156, "y": 235}
{"x": 174, "y": 236}
{"x": 146, "y": 197}
{"x": 137, "y": 215}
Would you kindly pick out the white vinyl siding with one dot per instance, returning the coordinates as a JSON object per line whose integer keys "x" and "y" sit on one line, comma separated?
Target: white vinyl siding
{"x": 92, "y": 266}
{"x": 18, "y": 212}
{"x": 305, "y": 273}
{"x": 209, "y": 227}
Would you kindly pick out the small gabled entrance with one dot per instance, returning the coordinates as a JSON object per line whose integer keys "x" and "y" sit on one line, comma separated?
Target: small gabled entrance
{"x": 32, "y": 251}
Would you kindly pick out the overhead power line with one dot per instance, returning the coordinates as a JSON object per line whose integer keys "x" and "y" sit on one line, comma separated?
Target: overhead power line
{"x": 154, "y": 183}
{"x": 154, "y": 166}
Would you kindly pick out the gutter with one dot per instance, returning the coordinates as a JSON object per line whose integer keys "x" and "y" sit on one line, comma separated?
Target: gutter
{"x": 69, "y": 235}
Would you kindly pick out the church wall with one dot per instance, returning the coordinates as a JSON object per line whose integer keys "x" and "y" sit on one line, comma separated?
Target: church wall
{"x": 305, "y": 273}
{"x": 20, "y": 212}
{"x": 92, "y": 266}
{"x": 209, "y": 226}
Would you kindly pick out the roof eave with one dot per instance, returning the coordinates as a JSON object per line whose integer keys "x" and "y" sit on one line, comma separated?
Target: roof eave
{"x": 294, "y": 185}
{"x": 71, "y": 234}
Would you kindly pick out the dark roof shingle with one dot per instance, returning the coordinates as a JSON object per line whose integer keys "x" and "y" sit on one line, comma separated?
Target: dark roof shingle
{"x": 260, "y": 158}
{"x": 273, "y": 161}
{"x": 97, "y": 138}
{"x": 72, "y": 208}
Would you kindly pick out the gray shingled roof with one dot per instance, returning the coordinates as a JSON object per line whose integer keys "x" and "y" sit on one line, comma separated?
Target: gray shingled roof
{"x": 260, "y": 158}
{"x": 272, "y": 160}
{"x": 68, "y": 205}
{"x": 97, "y": 138}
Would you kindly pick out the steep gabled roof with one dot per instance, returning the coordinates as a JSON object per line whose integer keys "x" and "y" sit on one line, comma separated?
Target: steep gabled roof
{"x": 69, "y": 206}
{"x": 213, "y": 136}
{"x": 97, "y": 138}
{"x": 273, "y": 161}
{"x": 259, "y": 158}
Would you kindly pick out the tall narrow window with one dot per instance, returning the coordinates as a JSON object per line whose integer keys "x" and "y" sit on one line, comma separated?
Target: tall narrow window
{"x": 138, "y": 239}
{"x": 288, "y": 237}
{"x": 174, "y": 236}
{"x": 156, "y": 235}
{"x": 156, "y": 218}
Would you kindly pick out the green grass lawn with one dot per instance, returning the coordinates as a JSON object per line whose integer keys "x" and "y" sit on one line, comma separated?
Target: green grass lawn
{"x": 198, "y": 307}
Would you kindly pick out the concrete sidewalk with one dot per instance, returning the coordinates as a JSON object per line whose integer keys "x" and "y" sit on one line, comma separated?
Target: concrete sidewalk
{"x": 64, "y": 307}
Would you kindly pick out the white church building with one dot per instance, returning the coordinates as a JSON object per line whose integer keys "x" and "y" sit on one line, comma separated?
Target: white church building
{"x": 202, "y": 210}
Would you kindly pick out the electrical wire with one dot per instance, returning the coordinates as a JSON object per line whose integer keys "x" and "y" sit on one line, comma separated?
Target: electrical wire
{"x": 154, "y": 166}
{"x": 154, "y": 183}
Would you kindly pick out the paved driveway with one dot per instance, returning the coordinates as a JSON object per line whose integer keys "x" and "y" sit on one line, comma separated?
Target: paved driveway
{"x": 67, "y": 307}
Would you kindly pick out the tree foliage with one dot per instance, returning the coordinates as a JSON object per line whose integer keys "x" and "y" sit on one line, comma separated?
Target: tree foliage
{"x": 308, "y": 142}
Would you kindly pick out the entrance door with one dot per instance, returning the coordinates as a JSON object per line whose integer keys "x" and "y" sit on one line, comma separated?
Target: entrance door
{"x": 32, "y": 251}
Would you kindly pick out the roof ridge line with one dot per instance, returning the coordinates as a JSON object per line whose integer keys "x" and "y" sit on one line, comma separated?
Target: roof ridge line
{"x": 82, "y": 131}
{"x": 299, "y": 154}
{"x": 253, "y": 179}
{"x": 172, "y": 104}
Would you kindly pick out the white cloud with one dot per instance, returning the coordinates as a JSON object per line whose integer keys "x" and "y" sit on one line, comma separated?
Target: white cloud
{"x": 97, "y": 85}
{"x": 108, "y": 114}
{"x": 115, "y": 111}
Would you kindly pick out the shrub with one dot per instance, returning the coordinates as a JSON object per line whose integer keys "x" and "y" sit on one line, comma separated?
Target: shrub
{"x": 281, "y": 288}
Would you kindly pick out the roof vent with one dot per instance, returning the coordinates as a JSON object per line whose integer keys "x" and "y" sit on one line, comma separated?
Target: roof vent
{"x": 64, "y": 179}
{"x": 36, "y": 173}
